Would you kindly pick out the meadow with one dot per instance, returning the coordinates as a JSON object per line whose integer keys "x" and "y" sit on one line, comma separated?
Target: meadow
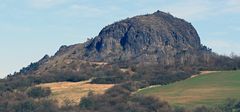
{"x": 208, "y": 89}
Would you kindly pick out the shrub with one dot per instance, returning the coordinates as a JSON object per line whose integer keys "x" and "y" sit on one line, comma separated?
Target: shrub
{"x": 120, "y": 99}
{"x": 38, "y": 92}
{"x": 230, "y": 105}
{"x": 27, "y": 105}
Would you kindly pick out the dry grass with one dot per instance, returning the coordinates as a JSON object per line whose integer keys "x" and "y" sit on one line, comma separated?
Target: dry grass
{"x": 74, "y": 91}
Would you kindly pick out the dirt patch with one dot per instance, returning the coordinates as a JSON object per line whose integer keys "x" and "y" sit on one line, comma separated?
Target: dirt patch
{"x": 203, "y": 73}
{"x": 127, "y": 70}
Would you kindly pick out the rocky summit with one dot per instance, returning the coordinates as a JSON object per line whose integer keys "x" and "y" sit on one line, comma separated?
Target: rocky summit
{"x": 153, "y": 38}
{"x": 150, "y": 38}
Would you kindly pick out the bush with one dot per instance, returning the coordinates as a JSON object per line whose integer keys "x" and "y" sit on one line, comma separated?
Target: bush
{"x": 230, "y": 105}
{"x": 120, "y": 99}
{"x": 86, "y": 102}
{"x": 154, "y": 76}
{"x": 109, "y": 76}
{"x": 25, "y": 106}
{"x": 38, "y": 92}
{"x": 29, "y": 105}
{"x": 108, "y": 80}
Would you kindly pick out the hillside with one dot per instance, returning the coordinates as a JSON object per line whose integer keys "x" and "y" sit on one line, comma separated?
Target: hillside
{"x": 208, "y": 89}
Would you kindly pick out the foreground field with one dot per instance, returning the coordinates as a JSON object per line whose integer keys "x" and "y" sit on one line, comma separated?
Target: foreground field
{"x": 208, "y": 89}
{"x": 74, "y": 91}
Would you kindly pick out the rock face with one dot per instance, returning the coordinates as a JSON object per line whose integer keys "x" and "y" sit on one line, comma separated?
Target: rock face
{"x": 149, "y": 38}
{"x": 153, "y": 38}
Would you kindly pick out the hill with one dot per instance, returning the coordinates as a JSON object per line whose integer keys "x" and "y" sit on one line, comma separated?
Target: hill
{"x": 131, "y": 54}
{"x": 208, "y": 89}
{"x": 157, "y": 38}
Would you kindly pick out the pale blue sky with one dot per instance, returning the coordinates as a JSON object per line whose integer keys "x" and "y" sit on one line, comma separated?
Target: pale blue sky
{"x": 29, "y": 29}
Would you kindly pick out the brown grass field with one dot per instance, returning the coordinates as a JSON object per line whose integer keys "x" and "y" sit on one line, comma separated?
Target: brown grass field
{"x": 72, "y": 92}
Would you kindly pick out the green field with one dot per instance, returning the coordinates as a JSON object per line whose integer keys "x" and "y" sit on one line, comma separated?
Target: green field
{"x": 208, "y": 89}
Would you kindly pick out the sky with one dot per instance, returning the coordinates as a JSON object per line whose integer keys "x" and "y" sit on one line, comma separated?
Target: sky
{"x": 29, "y": 29}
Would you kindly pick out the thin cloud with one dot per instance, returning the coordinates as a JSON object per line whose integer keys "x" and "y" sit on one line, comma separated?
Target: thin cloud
{"x": 45, "y": 4}
{"x": 189, "y": 10}
{"x": 76, "y": 10}
{"x": 198, "y": 10}
{"x": 233, "y": 6}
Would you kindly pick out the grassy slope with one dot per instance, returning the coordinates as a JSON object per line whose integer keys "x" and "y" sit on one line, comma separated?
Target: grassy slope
{"x": 206, "y": 89}
{"x": 74, "y": 91}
